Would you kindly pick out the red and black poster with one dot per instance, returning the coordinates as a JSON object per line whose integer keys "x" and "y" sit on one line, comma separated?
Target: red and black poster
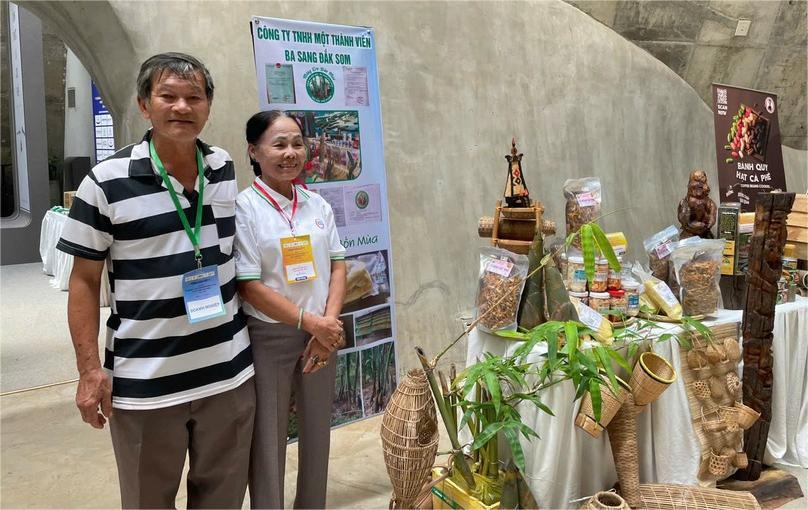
{"x": 747, "y": 144}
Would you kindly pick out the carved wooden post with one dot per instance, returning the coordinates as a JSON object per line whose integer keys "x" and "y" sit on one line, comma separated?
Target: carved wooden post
{"x": 765, "y": 265}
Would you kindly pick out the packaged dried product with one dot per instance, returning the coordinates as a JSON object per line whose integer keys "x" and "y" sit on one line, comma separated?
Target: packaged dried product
{"x": 576, "y": 274}
{"x": 658, "y": 292}
{"x": 632, "y": 289}
{"x": 615, "y": 277}
{"x": 697, "y": 263}
{"x": 658, "y": 247}
{"x": 599, "y": 301}
{"x": 583, "y": 297}
{"x": 601, "y": 328}
{"x": 601, "y": 279}
{"x": 583, "y": 204}
{"x": 502, "y": 279}
{"x": 618, "y": 305}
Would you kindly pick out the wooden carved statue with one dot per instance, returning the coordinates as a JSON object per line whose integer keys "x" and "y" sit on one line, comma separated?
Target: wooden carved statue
{"x": 697, "y": 212}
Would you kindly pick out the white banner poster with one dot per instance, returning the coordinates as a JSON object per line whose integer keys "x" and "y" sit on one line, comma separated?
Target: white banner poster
{"x": 326, "y": 76}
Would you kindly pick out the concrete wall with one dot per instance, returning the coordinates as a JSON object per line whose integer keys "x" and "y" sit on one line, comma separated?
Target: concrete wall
{"x": 79, "y": 130}
{"x": 458, "y": 80}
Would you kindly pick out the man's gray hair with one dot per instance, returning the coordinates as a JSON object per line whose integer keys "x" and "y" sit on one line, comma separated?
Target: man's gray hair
{"x": 180, "y": 64}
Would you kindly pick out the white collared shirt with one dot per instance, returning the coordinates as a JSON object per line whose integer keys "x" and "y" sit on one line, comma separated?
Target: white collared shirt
{"x": 257, "y": 248}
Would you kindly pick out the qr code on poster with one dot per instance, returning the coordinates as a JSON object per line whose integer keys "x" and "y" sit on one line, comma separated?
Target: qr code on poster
{"x": 722, "y": 96}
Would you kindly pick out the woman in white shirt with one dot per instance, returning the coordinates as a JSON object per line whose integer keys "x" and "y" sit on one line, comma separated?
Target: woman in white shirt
{"x": 290, "y": 268}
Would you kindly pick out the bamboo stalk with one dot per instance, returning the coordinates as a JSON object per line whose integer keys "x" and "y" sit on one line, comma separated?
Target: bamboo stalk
{"x": 448, "y": 419}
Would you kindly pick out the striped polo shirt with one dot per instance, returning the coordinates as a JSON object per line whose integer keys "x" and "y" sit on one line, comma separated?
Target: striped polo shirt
{"x": 123, "y": 214}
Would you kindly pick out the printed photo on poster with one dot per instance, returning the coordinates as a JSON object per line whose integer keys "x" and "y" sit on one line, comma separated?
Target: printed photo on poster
{"x": 348, "y": 329}
{"x": 347, "y": 390}
{"x": 368, "y": 281}
{"x": 333, "y": 140}
{"x": 373, "y": 326}
{"x": 280, "y": 83}
{"x": 378, "y": 376}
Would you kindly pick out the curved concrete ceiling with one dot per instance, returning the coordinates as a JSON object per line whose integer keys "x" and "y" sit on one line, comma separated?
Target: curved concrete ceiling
{"x": 697, "y": 40}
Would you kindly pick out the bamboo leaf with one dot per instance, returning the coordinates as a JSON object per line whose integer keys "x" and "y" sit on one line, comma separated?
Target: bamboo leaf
{"x": 620, "y": 360}
{"x": 528, "y": 432}
{"x": 492, "y": 384}
{"x": 588, "y": 248}
{"x": 594, "y": 393}
{"x": 605, "y": 247}
{"x": 605, "y": 360}
{"x": 466, "y": 417}
{"x": 504, "y": 333}
{"x": 489, "y": 432}
{"x": 516, "y": 447}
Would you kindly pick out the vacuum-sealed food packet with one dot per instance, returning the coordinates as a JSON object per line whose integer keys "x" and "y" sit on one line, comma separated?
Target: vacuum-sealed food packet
{"x": 583, "y": 204}
{"x": 697, "y": 263}
{"x": 502, "y": 279}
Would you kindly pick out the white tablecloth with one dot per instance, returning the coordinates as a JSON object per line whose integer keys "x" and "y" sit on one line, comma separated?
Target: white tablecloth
{"x": 58, "y": 263}
{"x": 567, "y": 463}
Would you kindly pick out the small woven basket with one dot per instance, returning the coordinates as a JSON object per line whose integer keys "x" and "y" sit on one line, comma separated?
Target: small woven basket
{"x": 651, "y": 376}
{"x": 701, "y": 389}
{"x": 714, "y": 425}
{"x": 741, "y": 461}
{"x": 719, "y": 464}
{"x": 610, "y": 404}
{"x": 409, "y": 437}
{"x": 746, "y": 415}
{"x": 605, "y": 501}
{"x": 625, "y": 450}
{"x": 730, "y": 415}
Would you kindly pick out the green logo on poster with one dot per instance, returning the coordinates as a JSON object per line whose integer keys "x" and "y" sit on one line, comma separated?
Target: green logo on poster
{"x": 362, "y": 199}
{"x": 320, "y": 87}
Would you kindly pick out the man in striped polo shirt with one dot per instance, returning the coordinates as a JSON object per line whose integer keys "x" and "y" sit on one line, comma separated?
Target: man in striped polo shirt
{"x": 177, "y": 371}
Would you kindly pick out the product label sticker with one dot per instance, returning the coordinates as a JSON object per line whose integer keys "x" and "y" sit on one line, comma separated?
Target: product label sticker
{"x": 666, "y": 294}
{"x": 587, "y": 199}
{"x": 202, "y": 294}
{"x": 589, "y": 317}
{"x": 579, "y": 275}
{"x": 298, "y": 259}
{"x": 663, "y": 250}
{"x": 619, "y": 250}
{"x": 500, "y": 266}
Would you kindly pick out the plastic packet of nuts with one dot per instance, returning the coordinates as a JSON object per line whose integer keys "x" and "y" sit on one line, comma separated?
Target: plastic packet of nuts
{"x": 502, "y": 280}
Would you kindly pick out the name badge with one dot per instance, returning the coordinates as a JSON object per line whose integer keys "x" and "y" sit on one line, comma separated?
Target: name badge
{"x": 202, "y": 294}
{"x": 298, "y": 259}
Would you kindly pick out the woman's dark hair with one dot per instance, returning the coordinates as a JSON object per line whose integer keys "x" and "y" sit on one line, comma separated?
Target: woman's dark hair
{"x": 257, "y": 126}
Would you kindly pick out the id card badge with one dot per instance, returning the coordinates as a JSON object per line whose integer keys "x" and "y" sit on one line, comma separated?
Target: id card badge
{"x": 202, "y": 294}
{"x": 298, "y": 259}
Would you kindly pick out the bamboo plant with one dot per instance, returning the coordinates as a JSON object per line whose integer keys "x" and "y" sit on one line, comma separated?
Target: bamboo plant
{"x": 487, "y": 395}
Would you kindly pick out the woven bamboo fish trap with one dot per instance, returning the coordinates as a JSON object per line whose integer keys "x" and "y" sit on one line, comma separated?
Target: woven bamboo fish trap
{"x": 685, "y": 497}
{"x": 625, "y": 450}
{"x": 409, "y": 438}
{"x": 605, "y": 501}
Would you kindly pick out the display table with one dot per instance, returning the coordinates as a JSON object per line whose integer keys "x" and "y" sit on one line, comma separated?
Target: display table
{"x": 58, "y": 263}
{"x": 567, "y": 464}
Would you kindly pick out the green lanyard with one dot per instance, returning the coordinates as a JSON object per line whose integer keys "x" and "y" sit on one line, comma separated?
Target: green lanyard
{"x": 192, "y": 235}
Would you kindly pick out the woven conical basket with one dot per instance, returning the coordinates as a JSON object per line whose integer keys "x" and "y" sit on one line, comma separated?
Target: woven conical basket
{"x": 409, "y": 437}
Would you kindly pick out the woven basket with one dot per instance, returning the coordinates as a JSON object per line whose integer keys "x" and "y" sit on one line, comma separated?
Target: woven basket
{"x": 730, "y": 415}
{"x": 746, "y": 415}
{"x": 610, "y": 404}
{"x": 683, "y": 497}
{"x": 733, "y": 384}
{"x": 719, "y": 464}
{"x": 651, "y": 376}
{"x": 625, "y": 450}
{"x": 741, "y": 461}
{"x": 605, "y": 501}
{"x": 701, "y": 389}
{"x": 715, "y": 425}
{"x": 733, "y": 349}
{"x": 409, "y": 437}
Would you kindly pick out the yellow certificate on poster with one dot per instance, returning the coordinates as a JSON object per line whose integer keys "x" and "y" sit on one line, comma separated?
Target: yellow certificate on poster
{"x": 298, "y": 259}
